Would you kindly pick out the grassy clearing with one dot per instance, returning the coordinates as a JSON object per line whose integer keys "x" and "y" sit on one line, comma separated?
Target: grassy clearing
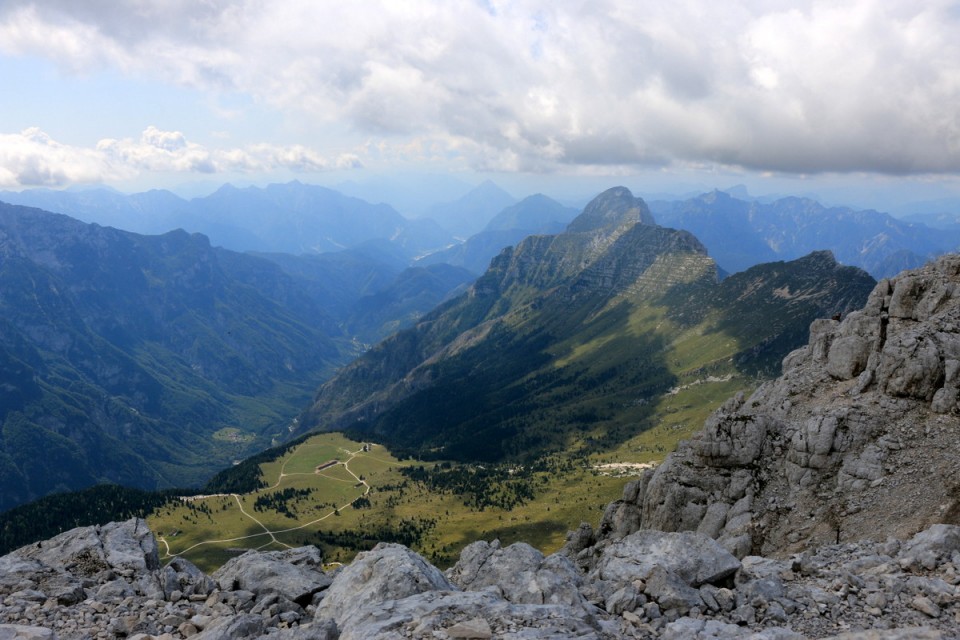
{"x": 210, "y": 530}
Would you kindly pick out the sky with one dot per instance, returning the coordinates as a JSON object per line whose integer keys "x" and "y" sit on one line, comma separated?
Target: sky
{"x": 857, "y": 99}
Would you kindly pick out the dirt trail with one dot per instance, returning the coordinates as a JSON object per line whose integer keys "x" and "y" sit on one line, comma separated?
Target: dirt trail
{"x": 272, "y": 533}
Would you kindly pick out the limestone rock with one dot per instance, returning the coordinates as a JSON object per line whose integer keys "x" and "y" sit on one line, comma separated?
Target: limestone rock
{"x": 24, "y": 632}
{"x": 388, "y": 572}
{"x": 694, "y": 558}
{"x": 296, "y": 574}
{"x": 931, "y": 547}
{"x": 391, "y": 592}
{"x": 857, "y": 438}
{"x": 432, "y": 613}
{"x": 121, "y": 546}
{"x": 521, "y": 573}
{"x": 245, "y": 625}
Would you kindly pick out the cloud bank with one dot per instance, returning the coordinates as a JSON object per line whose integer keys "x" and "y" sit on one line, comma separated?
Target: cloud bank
{"x": 534, "y": 85}
{"x": 33, "y": 159}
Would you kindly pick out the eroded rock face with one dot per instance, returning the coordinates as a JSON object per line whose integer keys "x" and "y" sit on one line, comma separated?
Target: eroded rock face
{"x": 859, "y": 437}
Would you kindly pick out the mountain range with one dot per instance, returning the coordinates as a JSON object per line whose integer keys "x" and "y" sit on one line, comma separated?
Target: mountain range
{"x": 571, "y": 339}
{"x": 741, "y": 233}
{"x": 288, "y": 218}
{"x": 841, "y": 472}
{"x": 471, "y": 229}
{"x": 154, "y": 361}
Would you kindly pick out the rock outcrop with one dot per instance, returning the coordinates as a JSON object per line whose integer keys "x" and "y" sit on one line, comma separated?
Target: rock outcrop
{"x": 105, "y": 582}
{"x": 859, "y": 438}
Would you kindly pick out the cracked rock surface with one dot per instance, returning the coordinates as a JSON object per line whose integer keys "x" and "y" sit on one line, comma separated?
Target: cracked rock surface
{"x": 650, "y": 584}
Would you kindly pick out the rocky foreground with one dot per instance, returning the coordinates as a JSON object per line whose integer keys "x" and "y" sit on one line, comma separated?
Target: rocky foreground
{"x": 823, "y": 506}
{"x": 107, "y": 582}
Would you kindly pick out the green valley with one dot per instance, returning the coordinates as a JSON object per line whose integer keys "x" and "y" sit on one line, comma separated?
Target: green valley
{"x": 346, "y": 496}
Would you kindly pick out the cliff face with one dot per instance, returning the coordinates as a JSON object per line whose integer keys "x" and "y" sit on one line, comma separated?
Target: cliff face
{"x": 857, "y": 439}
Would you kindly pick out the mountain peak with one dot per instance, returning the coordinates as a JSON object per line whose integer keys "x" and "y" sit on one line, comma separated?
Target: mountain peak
{"x": 717, "y": 195}
{"x": 613, "y": 208}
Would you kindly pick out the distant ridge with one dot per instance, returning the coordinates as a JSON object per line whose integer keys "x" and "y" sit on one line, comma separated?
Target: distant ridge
{"x": 291, "y": 218}
{"x": 471, "y": 212}
{"x": 740, "y": 233}
{"x": 122, "y": 356}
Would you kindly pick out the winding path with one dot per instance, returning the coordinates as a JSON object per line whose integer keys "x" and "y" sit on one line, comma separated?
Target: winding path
{"x": 272, "y": 533}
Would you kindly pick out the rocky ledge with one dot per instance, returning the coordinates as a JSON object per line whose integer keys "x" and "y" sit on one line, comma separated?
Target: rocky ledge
{"x": 107, "y": 582}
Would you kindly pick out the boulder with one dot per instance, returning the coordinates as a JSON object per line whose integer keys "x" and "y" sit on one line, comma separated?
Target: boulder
{"x": 693, "y": 557}
{"x": 122, "y": 546}
{"x": 296, "y": 574}
{"x": 930, "y": 547}
{"x": 521, "y": 574}
{"x": 467, "y": 614}
{"x": 25, "y": 632}
{"x": 239, "y": 627}
{"x": 388, "y": 572}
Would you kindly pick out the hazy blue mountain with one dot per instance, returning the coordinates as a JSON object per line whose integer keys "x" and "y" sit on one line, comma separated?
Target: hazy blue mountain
{"x": 572, "y": 338}
{"x": 476, "y": 252}
{"x": 414, "y": 292}
{"x": 290, "y": 218}
{"x": 123, "y": 356}
{"x": 369, "y": 290}
{"x": 740, "y": 234}
{"x": 948, "y": 221}
{"x": 471, "y": 212}
{"x": 537, "y": 214}
{"x": 412, "y": 194}
{"x": 534, "y": 215}
{"x": 151, "y": 212}
{"x": 337, "y": 280}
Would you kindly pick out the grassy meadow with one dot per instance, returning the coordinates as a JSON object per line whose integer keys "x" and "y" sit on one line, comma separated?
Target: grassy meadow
{"x": 308, "y": 502}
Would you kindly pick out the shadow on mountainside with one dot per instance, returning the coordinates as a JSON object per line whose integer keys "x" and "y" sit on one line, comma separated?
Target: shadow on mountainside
{"x": 509, "y": 398}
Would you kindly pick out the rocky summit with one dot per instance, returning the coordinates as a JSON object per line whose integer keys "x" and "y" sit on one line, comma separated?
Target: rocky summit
{"x": 107, "y": 582}
{"x": 823, "y": 506}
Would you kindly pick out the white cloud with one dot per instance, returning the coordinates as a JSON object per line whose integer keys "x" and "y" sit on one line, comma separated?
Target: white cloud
{"x": 32, "y": 158}
{"x": 799, "y": 86}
